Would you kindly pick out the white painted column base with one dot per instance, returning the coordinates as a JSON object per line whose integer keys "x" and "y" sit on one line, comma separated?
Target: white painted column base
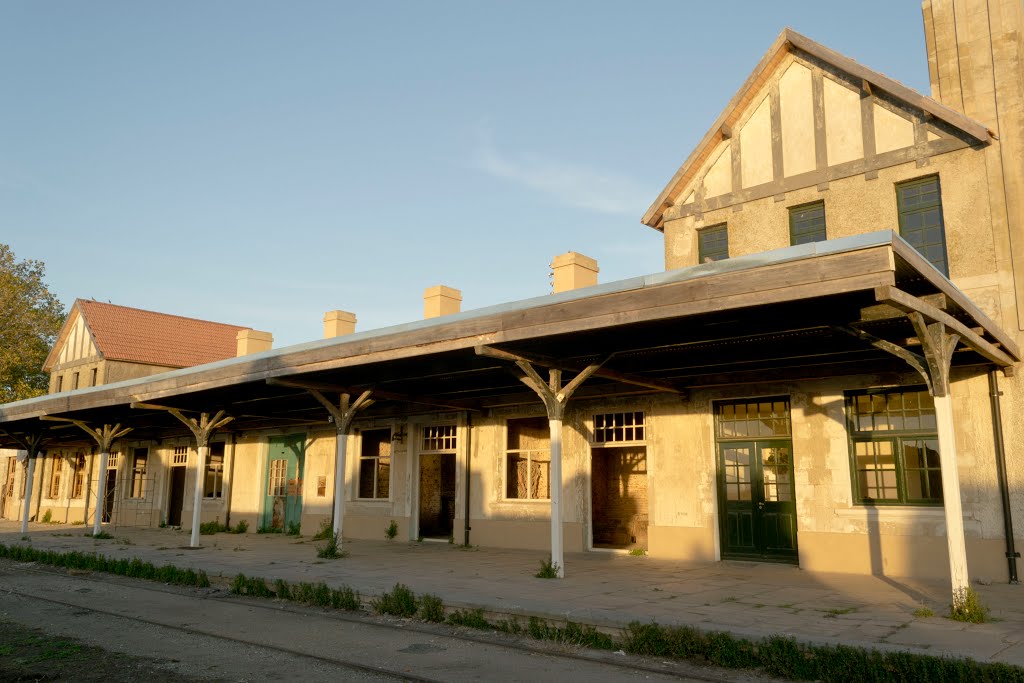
{"x": 101, "y": 489}
{"x": 951, "y": 496}
{"x": 197, "y": 505}
{"x": 30, "y": 471}
{"x": 557, "y": 555}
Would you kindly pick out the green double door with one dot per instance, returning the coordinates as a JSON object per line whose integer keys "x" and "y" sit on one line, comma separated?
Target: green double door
{"x": 758, "y": 512}
{"x": 282, "y": 504}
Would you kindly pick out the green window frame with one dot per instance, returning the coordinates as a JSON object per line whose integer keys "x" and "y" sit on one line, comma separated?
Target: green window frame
{"x": 919, "y": 203}
{"x": 713, "y": 243}
{"x": 894, "y": 447}
{"x": 807, "y": 223}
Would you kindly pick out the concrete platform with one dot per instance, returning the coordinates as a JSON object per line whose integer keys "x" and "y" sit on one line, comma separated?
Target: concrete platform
{"x": 601, "y": 588}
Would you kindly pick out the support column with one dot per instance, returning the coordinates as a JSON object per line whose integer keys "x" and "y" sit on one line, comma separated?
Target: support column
{"x": 340, "y": 451}
{"x": 951, "y": 496}
{"x": 101, "y": 491}
{"x": 30, "y": 471}
{"x": 557, "y": 548}
{"x": 197, "y": 500}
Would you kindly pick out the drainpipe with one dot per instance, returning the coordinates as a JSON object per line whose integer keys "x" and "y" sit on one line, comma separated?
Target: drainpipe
{"x": 469, "y": 471}
{"x": 1004, "y": 491}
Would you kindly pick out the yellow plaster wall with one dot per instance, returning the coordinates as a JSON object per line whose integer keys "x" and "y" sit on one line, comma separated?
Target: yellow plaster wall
{"x": 719, "y": 177}
{"x": 844, "y": 138}
{"x": 756, "y": 146}
{"x": 892, "y": 131}
{"x": 797, "y": 119}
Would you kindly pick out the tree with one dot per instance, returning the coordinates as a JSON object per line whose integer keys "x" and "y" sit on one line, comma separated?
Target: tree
{"x": 30, "y": 319}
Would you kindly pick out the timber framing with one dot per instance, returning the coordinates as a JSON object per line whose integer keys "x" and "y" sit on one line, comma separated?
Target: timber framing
{"x": 777, "y": 316}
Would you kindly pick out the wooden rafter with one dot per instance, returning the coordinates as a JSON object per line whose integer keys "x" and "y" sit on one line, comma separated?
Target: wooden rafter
{"x": 600, "y": 371}
{"x": 912, "y": 359}
{"x": 377, "y": 394}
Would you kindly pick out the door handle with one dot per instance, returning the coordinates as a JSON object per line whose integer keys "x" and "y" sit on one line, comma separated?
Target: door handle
{"x": 760, "y": 505}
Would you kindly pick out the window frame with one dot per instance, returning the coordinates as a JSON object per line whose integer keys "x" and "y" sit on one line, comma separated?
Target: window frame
{"x": 704, "y": 234}
{"x": 216, "y": 491}
{"x": 56, "y": 469}
{"x": 12, "y": 475}
{"x": 793, "y": 238}
{"x": 78, "y": 476}
{"x": 375, "y": 461}
{"x": 897, "y": 438}
{"x": 529, "y": 454}
{"x": 901, "y": 212}
{"x": 137, "y": 484}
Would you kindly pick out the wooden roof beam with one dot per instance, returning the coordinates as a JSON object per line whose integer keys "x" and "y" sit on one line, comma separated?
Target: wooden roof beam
{"x": 604, "y": 373}
{"x": 909, "y": 304}
{"x": 377, "y": 394}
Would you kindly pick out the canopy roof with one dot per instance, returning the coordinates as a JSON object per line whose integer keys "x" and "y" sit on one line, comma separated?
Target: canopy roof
{"x": 803, "y": 312}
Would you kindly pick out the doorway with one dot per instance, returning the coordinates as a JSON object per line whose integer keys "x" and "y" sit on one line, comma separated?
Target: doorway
{"x": 618, "y": 497}
{"x": 177, "y": 497}
{"x": 282, "y": 505}
{"x": 437, "y": 495}
{"x": 757, "y": 506}
{"x": 108, "y": 494}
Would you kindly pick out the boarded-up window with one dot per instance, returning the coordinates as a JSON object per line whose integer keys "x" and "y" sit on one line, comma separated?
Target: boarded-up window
{"x": 375, "y": 463}
{"x": 78, "y": 478}
{"x": 55, "y": 471}
{"x": 528, "y": 459}
{"x": 12, "y": 473}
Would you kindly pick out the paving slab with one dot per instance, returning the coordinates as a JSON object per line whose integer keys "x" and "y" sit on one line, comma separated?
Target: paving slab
{"x": 605, "y": 589}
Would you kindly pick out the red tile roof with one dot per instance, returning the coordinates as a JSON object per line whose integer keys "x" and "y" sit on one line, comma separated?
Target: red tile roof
{"x": 138, "y": 336}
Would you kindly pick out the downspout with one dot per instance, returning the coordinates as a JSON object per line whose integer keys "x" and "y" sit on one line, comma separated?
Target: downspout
{"x": 469, "y": 472}
{"x": 1004, "y": 491}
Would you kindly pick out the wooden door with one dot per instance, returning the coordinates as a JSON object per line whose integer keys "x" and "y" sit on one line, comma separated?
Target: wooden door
{"x": 758, "y": 508}
{"x": 282, "y": 508}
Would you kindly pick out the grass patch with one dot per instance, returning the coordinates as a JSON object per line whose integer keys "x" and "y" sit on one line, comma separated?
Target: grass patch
{"x": 134, "y": 567}
{"x": 548, "y": 570}
{"x": 331, "y": 550}
{"x": 401, "y": 602}
{"x": 472, "y": 618}
{"x": 430, "y": 608}
{"x": 923, "y": 613}
{"x": 839, "y": 611}
{"x": 325, "y": 531}
{"x": 294, "y": 529}
{"x": 240, "y": 528}
{"x": 47, "y": 517}
{"x": 103, "y": 535}
{"x": 391, "y": 530}
{"x": 637, "y": 552}
{"x": 269, "y": 530}
{"x": 967, "y": 606}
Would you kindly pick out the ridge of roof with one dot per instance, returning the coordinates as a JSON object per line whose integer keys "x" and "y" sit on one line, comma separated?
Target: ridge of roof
{"x": 787, "y": 39}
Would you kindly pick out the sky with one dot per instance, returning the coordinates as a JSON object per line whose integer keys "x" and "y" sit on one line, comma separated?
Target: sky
{"x": 259, "y": 163}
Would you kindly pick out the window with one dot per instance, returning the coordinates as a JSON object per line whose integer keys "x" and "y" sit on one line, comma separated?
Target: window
{"x": 807, "y": 223}
{"x": 139, "y": 458}
{"x": 754, "y": 419}
{"x": 618, "y": 427}
{"x": 60, "y": 384}
{"x": 894, "y": 447}
{"x": 375, "y": 463}
{"x": 439, "y": 438}
{"x": 12, "y": 472}
{"x": 93, "y": 375}
{"x": 321, "y": 487}
{"x": 180, "y": 456}
{"x": 528, "y": 459}
{"x": 78, "y": 476}
{"x": 74, "y": 381}
{"x": 713, "y": 243}
{"x": 920, "y": 208}
{"x": 278, "y": 484}
{"x": 55, "y": 470}
{"x": 213, "y": 481}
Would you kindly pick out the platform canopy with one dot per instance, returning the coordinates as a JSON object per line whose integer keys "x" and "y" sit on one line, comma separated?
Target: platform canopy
{"x": 841, "y": 307}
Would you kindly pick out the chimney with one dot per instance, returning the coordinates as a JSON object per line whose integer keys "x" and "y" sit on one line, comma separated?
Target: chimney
{"x": 253, "y": 341}
{"x": 339, "y": 323}
{"x": 572, "y": 271}
{"x": 441, "y": 300}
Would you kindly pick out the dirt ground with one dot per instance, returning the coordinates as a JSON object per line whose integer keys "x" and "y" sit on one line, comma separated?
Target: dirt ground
{"x": 28, "y": 654}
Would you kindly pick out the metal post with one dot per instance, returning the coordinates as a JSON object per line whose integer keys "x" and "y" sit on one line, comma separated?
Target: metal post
{"x": 557, "y": 557}
{"x": 101, "y": 487}
{"x": 30, "y": 471}
{"x": 951, "y": 497}
{"x": 340, "y": 452}
{"x": 197, "y": 505}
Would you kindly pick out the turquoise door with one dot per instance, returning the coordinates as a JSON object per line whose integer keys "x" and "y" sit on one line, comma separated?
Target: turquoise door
{"x": 282, "y": 505}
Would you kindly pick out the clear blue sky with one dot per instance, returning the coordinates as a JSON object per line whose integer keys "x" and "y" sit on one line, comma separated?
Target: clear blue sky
{"x": 260, "y": 163}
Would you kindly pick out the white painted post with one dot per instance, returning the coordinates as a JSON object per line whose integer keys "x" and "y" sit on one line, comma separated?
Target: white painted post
{"x": 101, "y": 487}
{"x": 197, "y": 504}
{"x": 557, "y": 558}
{"x": 30, "y": 471}
{"x": 951, "y": 496}
{"x": 340, "y": 452}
